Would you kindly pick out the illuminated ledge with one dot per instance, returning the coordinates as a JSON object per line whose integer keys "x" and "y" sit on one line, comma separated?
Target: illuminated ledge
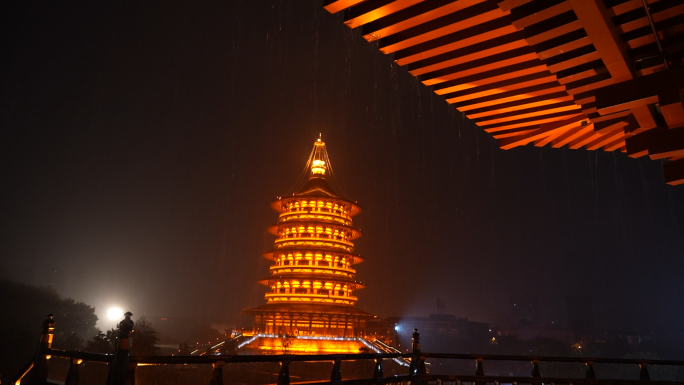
{"x": 313, "y": 308}
{"x": 273, "y": 344}
{"x": 313, "y": 270}
{"x": 310, "y": 298}
{"x": 289, "y": 228}
{"x": 281, "y": 204}
{"x": 317, "y": 217}
{"x": 336, "y": 279}
{"x": 292, "y": 253}
{"x": 314, "y": 242}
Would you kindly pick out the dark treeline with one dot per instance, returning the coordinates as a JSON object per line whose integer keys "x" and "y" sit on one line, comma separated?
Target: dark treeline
{"x": 25, "y": 307}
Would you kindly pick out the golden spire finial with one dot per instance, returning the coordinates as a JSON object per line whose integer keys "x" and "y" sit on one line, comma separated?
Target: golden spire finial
{"x": 320, "y": 158}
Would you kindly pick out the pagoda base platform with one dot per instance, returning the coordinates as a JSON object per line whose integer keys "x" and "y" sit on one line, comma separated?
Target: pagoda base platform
{"x": 268, "y": 344}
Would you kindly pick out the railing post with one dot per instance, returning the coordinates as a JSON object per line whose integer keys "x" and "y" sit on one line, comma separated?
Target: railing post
{"x": 336, "y": 373}
{"x": 217, "y": 374}
{"x": 417, "y": 366}
{"x": 284, "y": 374}
{"x": 479, "y": 370}
{"x": 74, "y": 376}
{"x": 535, "y": 369}
{"x": 643, "y": 372}
{"x": 590, "y": 370}
{"x": 417, "y": 361}
{"x": 130, "y": 376}
{"x": 377, "y": 373}
{"x": 39, "y": 374}
{"x": 118, "y": 368}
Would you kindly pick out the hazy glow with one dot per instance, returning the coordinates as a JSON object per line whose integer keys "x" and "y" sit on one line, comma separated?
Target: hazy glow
{"x": 115, "y": 313}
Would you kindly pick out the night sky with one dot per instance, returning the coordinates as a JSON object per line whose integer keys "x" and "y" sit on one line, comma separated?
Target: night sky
{"x": 142, "y": 144}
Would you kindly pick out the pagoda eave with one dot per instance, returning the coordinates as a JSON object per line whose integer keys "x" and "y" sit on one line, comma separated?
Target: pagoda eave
{"x": 321, "y": 276}
{"x": 311, "y": 308}
{"x": 356, "y": 258}
{"x": 277, "y": 203}
{"x": 273, "y": 229}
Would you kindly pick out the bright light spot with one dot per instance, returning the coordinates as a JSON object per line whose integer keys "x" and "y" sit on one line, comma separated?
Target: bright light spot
{"x": 397, "y": 328}
{"x": 115, "y": 313}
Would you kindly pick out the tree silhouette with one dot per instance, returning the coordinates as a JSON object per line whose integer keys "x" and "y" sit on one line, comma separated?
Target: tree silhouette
{"x": 145, "y": 339}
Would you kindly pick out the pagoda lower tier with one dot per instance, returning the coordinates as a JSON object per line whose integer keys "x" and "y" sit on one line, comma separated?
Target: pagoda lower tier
{"x": 309, "y": 320}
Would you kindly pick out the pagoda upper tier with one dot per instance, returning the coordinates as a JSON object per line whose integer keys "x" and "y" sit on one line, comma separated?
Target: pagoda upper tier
{"x": 314, "y": 252}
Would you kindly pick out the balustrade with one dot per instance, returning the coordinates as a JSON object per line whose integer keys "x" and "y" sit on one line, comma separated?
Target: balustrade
{"x": 122, "y": 367}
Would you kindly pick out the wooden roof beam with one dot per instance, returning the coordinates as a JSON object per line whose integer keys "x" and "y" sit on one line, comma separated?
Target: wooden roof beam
{"x": 637, "y": 19}
{"x": 424, "y": 62}
{"x": 606, "y": 138}
{"x": 583, "y": 140}
{"x": 543, "y": 119}
{"x": 591, "y": 83}
{"x": 666, "y": 144}
{"x": 507, "y": 5}
{"x": 535, "y": 111}
{"x": 500, "y": 87}
{"x": 371, "y": 10}
{"x": 412, "y": 16}
{"x": 542, "y": 132}
{"x": 502, "y": 60}
{"x": 445, "y": 25}
{"x": 567, "y": 60}
{"x": 637, "y": 145}
{"x": 617, "y": 143}
{"x": 476, "y": 34}
{"x": 536, "y": 11}
{"x": 522, "y": 94}
{"x": 595, "y": 19}
{"x": 552, "y": 28}
{"x": 514, "y": 132}
{"x": 628, "y": 6}
{"x": 674, "y": 172}
{"x": 561, "y": 44}
{"x": 517, "y": 105}
{"x": 581, "y": 71}
{"x": 334, "y": 6}
{"x": 661, "y": 87}
{"x": 572, "y": 134}
{"x": 644, "y": 117}
{"x": 489, "y": 77}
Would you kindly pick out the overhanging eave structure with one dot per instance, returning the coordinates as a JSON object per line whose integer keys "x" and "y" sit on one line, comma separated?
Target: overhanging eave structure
{"x": 593, "y": 74}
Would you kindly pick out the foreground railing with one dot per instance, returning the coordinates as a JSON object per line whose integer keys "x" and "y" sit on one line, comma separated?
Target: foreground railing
{"x": 122, "y": 368}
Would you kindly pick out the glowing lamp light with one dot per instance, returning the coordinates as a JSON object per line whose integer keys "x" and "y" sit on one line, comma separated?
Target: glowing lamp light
{"x": 397, "y": 328}
{"x": 318, "y": 167}
{"x": 115, "y": 313}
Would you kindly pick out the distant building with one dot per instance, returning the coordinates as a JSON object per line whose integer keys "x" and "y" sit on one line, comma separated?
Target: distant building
{"x": 536, "y": 331}
{"x": 438, "y": 333}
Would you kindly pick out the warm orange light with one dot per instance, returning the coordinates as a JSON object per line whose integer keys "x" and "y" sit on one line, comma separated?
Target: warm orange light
{"x": 318, "y": 167}
{"x": 312, "y": 280}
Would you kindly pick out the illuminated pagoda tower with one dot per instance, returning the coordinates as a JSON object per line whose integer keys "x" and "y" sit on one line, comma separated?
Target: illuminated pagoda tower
{"x": 312, "y": 279}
